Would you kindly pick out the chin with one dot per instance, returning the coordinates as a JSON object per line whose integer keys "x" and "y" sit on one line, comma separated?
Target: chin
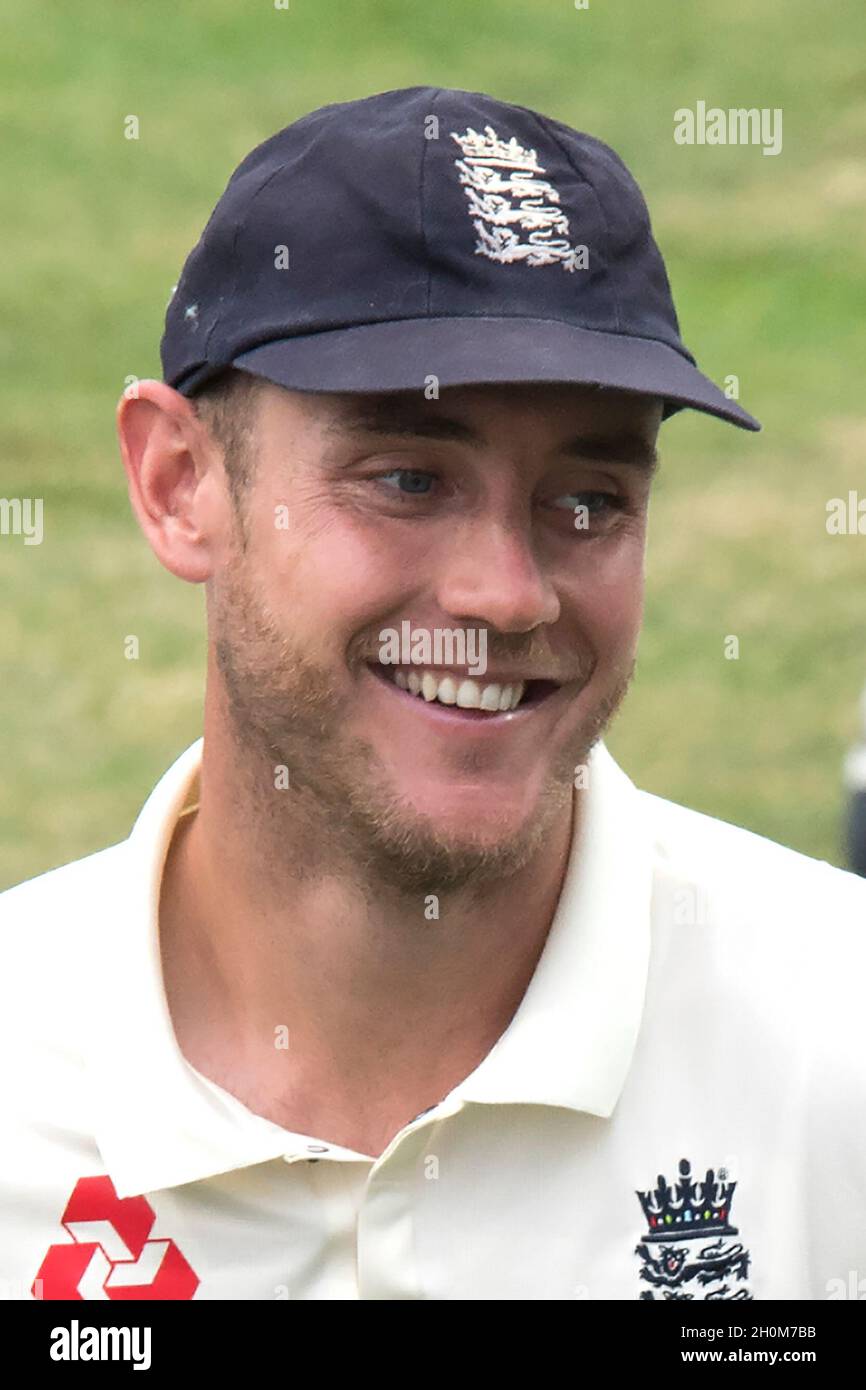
{"x": 486, "y": 814}
{"x": 480, "y": 807}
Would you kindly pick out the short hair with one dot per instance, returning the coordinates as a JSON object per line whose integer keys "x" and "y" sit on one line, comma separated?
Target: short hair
{"x": 227, "y": 406}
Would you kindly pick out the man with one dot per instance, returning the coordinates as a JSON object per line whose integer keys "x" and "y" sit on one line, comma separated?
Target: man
{"x": 399, "y": 988}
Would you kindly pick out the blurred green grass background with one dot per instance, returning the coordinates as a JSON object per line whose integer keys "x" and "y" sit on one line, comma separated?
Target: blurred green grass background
{"x": 766, "y": 257}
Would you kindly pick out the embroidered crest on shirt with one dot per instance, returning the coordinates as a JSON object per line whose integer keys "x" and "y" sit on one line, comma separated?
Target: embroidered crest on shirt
{"x": 687, "y": 1252}
{"x": 508, "y": 200}
{"x": 111, "y": 1254}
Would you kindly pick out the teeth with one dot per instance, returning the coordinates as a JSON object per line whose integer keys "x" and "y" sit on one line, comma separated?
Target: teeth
{"x": 467, "y": 694}
{"x": 447, "y": 692}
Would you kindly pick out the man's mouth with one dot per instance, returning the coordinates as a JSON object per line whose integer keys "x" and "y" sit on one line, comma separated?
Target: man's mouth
{"x": 480, "y": 697}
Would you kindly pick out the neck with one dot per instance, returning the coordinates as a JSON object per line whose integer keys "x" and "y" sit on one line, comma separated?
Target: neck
{"x": 327, "y": 1001}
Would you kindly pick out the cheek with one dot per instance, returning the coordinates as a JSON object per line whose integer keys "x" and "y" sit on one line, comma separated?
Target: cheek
{"x": 608, "y": 597}
{"x": 328, "y": 581}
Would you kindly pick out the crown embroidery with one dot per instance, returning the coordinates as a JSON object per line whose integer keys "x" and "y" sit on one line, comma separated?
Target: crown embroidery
{"x": 692, "y": 1209}
{"x": 687, "y": 1252}
{"x": 504, "y": 192}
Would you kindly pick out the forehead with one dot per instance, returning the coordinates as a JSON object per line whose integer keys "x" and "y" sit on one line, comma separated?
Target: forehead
{"x": 471, "y": 414}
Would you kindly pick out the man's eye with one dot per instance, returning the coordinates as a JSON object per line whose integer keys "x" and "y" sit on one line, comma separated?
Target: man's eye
{"x": 413, "y": 479}
{"x": 591, "y": 503}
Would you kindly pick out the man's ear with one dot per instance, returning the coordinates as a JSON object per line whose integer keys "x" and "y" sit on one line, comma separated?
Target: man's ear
{"x": 175, "y": 478}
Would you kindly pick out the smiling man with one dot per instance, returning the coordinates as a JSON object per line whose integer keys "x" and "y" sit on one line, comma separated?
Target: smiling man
{"x": 399, "y": 988}
{"x": 458, "y": 511}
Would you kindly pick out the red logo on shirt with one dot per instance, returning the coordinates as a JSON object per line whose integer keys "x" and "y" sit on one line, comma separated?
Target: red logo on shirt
{"x": 110, "y": 1255}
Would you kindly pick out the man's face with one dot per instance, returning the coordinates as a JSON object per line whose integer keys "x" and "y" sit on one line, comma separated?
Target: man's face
{"x": 515, "y": 515}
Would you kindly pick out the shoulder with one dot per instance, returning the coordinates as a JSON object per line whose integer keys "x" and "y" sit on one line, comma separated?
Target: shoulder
{"x": 55, "y": 983}
{"x": 746, "y": 876}
{"x": 66, "y": 886}
{"x": 767, "y": 939}
{"x": 47, "y": 922}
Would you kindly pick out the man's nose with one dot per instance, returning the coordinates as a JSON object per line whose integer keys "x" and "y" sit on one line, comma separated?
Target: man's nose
{"x": 491, "y": 575}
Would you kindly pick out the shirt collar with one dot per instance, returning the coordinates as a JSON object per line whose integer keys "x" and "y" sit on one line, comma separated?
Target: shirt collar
{"x": 573, "y": 1036}
{"x": 160, "y": 1123}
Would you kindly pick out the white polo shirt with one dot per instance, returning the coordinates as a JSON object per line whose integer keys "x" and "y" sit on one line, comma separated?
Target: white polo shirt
{"x": 677, "y": 1109}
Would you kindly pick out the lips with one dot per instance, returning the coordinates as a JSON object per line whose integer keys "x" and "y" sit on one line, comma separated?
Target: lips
{"x": 469, "y": 695}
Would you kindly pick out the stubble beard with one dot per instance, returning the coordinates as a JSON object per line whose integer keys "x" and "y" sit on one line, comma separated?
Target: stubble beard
{"x": 285, "y": 711}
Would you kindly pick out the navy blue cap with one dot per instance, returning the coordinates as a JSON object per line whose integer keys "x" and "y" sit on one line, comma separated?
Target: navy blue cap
{"x": 428, "y": 232}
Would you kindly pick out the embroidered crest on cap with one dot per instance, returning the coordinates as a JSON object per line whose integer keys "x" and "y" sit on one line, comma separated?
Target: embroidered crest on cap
{"x": 504, "y": 193}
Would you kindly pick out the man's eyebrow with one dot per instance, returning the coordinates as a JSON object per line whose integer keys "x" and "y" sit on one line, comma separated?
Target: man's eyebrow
{"x": 386, "y": 418}
{"x": 625, "y": 447}
{"x": 405, "y": 421}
